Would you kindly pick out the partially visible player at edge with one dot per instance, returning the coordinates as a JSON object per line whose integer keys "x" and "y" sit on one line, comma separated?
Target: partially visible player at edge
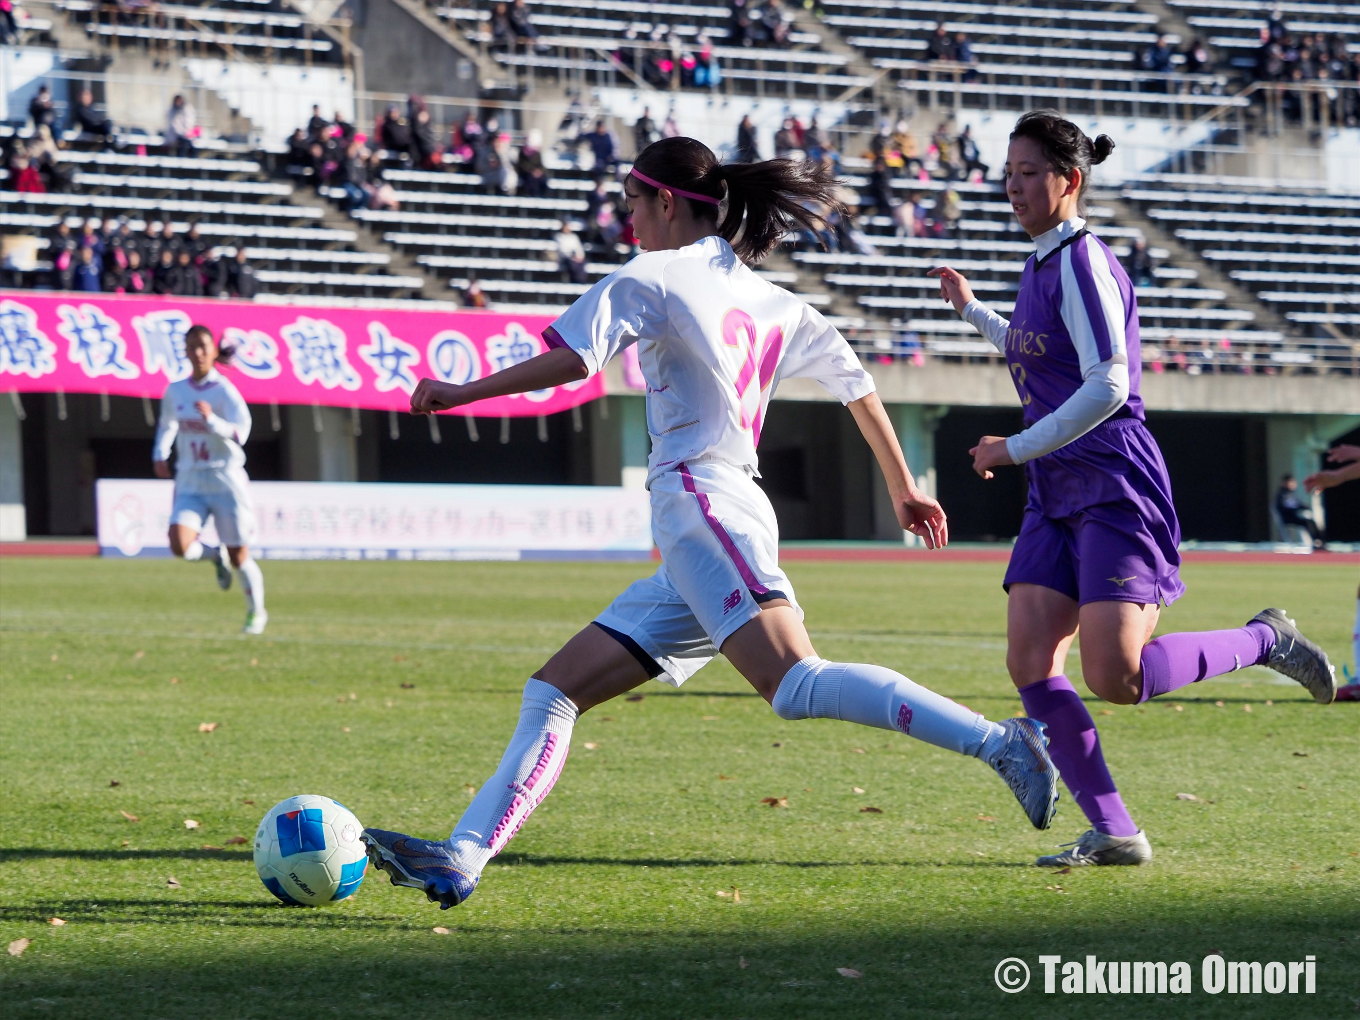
{"x": 1098, "y": 545}
{"x": 714, "y": 340}
{"x": 1346, "y": 457}
{"x": 204, "y": 418}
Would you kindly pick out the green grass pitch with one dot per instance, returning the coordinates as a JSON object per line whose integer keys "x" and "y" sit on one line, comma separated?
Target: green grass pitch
{"x": 392, "y": 687}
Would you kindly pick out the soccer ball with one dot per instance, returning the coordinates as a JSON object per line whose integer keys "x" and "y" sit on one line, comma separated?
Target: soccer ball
{"x": 307, "y": 851}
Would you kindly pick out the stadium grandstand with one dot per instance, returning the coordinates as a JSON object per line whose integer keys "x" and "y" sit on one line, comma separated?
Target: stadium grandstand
{"x": 449, "y": 156}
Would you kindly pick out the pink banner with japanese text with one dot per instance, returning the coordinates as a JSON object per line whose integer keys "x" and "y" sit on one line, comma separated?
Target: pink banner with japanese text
{"x": 285, "y": 354}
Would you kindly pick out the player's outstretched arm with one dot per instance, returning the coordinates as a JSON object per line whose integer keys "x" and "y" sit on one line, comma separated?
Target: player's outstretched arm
{"x": 555, "y": 368}
{"x": 1320, "y": 480}
{"x": 916, "y": 512}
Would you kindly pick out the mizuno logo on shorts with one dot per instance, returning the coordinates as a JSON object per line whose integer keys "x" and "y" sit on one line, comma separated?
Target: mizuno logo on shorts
{"x": 732, "y": 601}
{"x": 1121, "y": 581}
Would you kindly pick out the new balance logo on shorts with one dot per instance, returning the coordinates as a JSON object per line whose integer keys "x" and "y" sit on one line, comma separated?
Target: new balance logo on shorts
{"x": 904, "y": 718}
{"x": 732, "y": 601}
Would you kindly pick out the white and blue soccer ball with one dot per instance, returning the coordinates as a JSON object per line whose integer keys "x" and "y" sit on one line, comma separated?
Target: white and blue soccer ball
{"x": 307, "y": 851}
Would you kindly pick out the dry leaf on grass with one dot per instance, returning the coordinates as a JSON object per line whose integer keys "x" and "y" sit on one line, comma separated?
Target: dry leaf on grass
{"x": 633, "y": 697}
{"x": 54, "y": 656}
{"x": 1107, "y": 711}
{"x": 130, "y": 818}
{"x": 1186, "y": 796}
{"x": 736, "y": 895}
{"x": 723, "y": 777}
{"x": 1218, "y": 704}
{"x": 441, "y": 930}
{"x": 723, "y": 893}
{"x": 55, "y": 922}
{"x": 590, "y": 746}
{"x": 206, "y": 727}
{"x": 1054, "y": 888}
{"x": 353, "y": 696}
{"x": 17, "y": 947}
{"x": 138, "y": 654}
{"x": 172, "y": 882}
{"x": 237, "y": 841}
{"x": 1246, "y": 708}
{"x": 871, "y": 810}
{"x": 776, "y": 744}
{"x": 1300, "y": 754}
{"x": 985, "y": 818}
{"x": 857, "y": 750}
{"x": 209, "y": 846}
{"x": 342, "y": 699}
{"x": 250, "y": 802}
{"x": 775, "y": 801}
{"x": 114, "y": 782}
{"x": 346, "y": 729}
{"x": 254, "y": 662}
{"x": 849, "y": 972}
{"x": 408, "y": 687}
{"x": 1179, "y": 708}
{"x": 174, "y": 679}
{"x": 857, "y": 789}
{"x": 1064, "y": 871}
{"x": 191, "y": 823}
{"x": 710, "y": 718}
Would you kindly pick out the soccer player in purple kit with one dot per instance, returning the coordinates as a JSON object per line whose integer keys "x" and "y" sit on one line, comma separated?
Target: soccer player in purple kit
{"x": 1098, "y": 546}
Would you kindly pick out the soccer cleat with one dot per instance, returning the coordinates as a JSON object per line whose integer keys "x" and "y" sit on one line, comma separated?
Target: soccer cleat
{"x": 1349, "y": 692}
{"x": 420, "y": 864}
{"x": 1097, "y": 848}
{"x": 1027, "y": 769}
{"x": 223, "y": 565}
{"x": 1298, "y": 658}
{"x": 255, "y": 622}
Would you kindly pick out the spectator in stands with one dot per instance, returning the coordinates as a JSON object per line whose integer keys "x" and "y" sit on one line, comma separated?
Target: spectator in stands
{"x": 947, "y": 152}
{"x": 571, "y": 254}
{"x": 195, "y": 245}
{"x": 187, "y": 280}
{"x": 394, "y": 132}
{"x": 502, "y": 32}
{"x": 774, "y": 24}
{"x": 42, "y": 110}
{"x": 969, "y": 153}
{"x": 353, "y": 175}
{"x": 343, "y": 131}
{"x": 878, "y": 194}
{"x": 738, "y": 24}
{"x": 533, "y": 175}
{"x": 1294, "y": 513}
{"x": 963, "y": 54}
{"x": 604, "y": 147}
{"x": 424, "y": 150}
{"x": 169, "y": 241}
{"x": 88, "y": 121}
{"x": 644, "y": 131}
{"x": 940, "y": 46}
{"x": 381, "y": 194}
{"x": 1198, "y": 60}
{"x": 786, "y": 141}
{"x": 950, "y": 212}
{"x": 149, "y": 244}
{"x": 488, "y": 164}
{"x": 1157, "y": 58}
{"x": 1275, "y": 26}
{"x": 816, "y": 140}
{"x": 181, "y": 127}
{"x": 62, "y": 248}
{"x": 522, "y": 24}
{"x": 747, "y": 152}
{"x": 601, "y": 213}
{"x": 127, "y": 279}
{"x": 164, "y": 274}
{"x": 472, "y": 295}
{"x": 317, "y": 125}
{"x": 238, "y": 279}
{"x": 707, "y": 74}
{"x": 86, "y": 276}
{"x": 9, "y": 28}
{"x": 91, "y": 237}
{"x": 297, "y": 162}
{"x": 1140, "y": 264}
{"x": 25, "y": 177}
{"x": 116, "y": 238}
{"x": 670, "y": 129}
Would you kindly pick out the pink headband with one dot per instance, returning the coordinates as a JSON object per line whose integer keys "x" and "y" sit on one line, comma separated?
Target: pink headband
{"x": 674, "y": 190}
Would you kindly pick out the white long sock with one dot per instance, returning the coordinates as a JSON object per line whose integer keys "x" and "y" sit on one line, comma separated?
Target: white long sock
{"x": 876, "y": 696}
{"x": 252, "y": 584}
{"x": 194, "y": 551}
{"x": 529, "y": 768}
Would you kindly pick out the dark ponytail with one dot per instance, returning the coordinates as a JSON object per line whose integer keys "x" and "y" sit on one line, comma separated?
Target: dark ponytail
{"x": 1065, "y": 146}
{"x": 224, "y": 352}
{"x": 764, "y": 200}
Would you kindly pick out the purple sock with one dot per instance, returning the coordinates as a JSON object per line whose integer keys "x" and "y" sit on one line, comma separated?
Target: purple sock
{"x": 1074, "y": 747}
{"x": 1174, "y": 660}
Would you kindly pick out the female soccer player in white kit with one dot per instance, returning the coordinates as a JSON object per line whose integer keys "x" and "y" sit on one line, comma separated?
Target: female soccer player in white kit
{"x": 714, "y": 339}
{"x": 204, "y": 418}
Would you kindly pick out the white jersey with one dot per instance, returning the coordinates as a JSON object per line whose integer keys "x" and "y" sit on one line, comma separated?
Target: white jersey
{"x": 714, "y": 339}
{"x": 209, "y": 451}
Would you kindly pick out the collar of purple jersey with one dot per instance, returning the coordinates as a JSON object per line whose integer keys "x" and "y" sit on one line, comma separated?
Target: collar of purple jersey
{"x": 674, "y": 190}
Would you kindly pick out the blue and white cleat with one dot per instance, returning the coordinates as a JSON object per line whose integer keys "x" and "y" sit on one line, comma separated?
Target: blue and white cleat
{"x": 419, "y": 864}
{"x": 1028, "y": 770}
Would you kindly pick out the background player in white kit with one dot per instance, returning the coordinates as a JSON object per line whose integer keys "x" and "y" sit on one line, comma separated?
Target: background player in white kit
{"x": 714, "y": 339}
{"x": 207, "y": 423}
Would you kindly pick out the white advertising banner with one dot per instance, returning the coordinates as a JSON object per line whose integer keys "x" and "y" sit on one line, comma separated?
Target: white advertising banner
{"x": 364, "y": 520}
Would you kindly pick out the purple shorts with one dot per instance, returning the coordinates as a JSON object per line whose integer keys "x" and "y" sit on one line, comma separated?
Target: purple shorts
{"x": 1106, "y": 553}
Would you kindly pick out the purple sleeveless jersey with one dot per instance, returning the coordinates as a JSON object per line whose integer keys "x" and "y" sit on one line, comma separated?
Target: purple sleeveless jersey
{"x": 1100, "y": 524}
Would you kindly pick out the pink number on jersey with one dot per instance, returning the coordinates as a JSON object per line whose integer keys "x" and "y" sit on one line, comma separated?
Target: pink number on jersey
{"x": 739, "y": 330}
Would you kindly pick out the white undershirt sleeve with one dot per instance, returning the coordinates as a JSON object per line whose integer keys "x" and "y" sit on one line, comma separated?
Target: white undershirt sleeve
{"x": 1102, "y": 392}
{"x": 992, "y": 326}
{"x": 236, "y": 425}
{"x": 167, "y": 428}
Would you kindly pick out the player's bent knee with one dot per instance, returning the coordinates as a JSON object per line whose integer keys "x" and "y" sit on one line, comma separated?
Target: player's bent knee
{"x": 790, "y": 702}
{"x": 1117, "y": 687}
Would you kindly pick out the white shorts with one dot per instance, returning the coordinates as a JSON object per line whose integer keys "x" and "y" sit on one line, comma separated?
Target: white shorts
{"x": 229, "y": 506}
{"x": 719, "y": 543}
